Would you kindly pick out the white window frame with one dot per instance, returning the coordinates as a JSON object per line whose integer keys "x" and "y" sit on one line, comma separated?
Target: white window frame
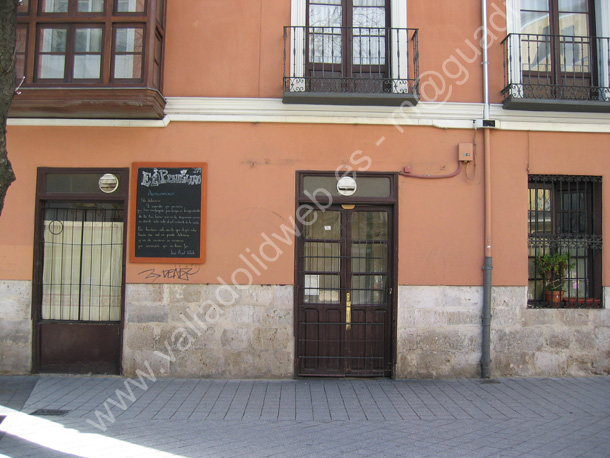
{"x": 602, "y": 26}
{"x": 298, "y": 19}
{"x": 513, "y": 25}
{"x": 602, "y": 18}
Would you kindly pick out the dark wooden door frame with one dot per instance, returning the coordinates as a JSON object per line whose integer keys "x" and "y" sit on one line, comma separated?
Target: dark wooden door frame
{"x": 391, "y": 203}
{"x": 43, "y": 196}
{"x": 347, "y": 38}
{"x": 556, "y": 76}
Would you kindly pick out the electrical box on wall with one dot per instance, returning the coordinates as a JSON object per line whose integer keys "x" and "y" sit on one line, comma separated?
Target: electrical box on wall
{"x": 465, "y": 152}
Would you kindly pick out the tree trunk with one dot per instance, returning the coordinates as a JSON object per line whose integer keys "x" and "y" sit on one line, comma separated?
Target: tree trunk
{"x": 8, "y": 14}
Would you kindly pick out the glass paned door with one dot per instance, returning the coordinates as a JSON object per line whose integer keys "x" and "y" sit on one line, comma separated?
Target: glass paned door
{"x": 557, "y": 44}
{"x": 347, "y": 44}
{"x": 344, "y": 292}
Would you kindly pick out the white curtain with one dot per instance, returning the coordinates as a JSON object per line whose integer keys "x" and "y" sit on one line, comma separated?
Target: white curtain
{"x": 82, "y": 270}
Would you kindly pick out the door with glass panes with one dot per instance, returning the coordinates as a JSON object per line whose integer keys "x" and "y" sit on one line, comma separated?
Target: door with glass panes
{"x": 79, "y": 270}
{"x": 348, "y": 45}
{"x": 558, "y": 47}
{"x": 344, "y": 308}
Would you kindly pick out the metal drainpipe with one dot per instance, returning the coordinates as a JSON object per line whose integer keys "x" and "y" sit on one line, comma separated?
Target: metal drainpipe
{"x": 487, "y": 267}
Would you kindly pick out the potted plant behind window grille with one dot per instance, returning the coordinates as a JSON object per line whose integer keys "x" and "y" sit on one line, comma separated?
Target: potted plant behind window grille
{"x": 553, "y": 269}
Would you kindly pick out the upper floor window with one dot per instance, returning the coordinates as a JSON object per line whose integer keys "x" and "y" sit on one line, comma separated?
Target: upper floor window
{"x": 557, "y": 17}
{"x": 65, "y": 6}
{"x": 88, "y": 44}
{"x": 347, "y": 35}
{"x": 557, "y": 44}
{"x": 565, "y": 241}
{"x": 76, "y": 47}
{"x": 557, "y": 53}
{"x": 350, "y": 48}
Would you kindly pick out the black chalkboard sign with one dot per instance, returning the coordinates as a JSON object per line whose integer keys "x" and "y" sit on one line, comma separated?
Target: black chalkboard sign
{"x": 168, "y": 212}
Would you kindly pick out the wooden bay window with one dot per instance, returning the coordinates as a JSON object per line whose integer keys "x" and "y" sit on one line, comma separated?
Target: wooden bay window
{"x": 90, "y": 59}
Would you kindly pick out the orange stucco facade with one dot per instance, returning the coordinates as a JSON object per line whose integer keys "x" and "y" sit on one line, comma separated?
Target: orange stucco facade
{"x": 441, "y": 222}
{"x": 222, "y": 52}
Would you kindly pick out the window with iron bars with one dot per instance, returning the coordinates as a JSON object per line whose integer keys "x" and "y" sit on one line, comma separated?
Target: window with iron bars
{"x": 565, "y": 215}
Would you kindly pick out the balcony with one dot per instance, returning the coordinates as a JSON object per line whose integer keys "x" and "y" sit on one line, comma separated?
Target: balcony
{"x": 556, "y": 73}
{"x": 351, "y": 65}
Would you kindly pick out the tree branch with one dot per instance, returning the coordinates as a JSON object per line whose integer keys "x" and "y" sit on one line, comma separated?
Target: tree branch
{"x": 8, "y": 36}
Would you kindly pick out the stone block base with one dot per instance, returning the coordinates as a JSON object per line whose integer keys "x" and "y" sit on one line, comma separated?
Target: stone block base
{"x": 439, "y": 335}
{"x": 218, "y": 331}
{"x": 209, "y": 331}
{"x": 15, "y": 327}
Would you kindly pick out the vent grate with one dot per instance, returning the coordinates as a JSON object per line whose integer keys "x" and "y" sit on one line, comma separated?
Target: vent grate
{"x": 50, "y": 412}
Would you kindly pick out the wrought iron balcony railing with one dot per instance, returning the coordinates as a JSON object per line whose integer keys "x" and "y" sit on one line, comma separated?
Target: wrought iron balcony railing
{"x": 351, "y": 62}
{"x": 556, "y": 68}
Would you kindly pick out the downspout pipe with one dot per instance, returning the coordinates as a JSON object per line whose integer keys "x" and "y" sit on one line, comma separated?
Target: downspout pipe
{"x": 485, "y": 45}
{"x": 487, "y": 267}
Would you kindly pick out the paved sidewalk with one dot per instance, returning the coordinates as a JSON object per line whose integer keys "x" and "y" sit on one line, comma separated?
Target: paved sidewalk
{"x": 117, "y": 417}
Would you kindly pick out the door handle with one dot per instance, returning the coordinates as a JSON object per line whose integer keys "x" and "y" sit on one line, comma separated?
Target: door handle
{"x": 348, "y": 311}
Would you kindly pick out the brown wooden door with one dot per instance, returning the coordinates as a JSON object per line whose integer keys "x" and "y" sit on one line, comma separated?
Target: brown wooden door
{"x": 81, "y": 287}
{"x": 558, "y": 49}
{"x": 344, "y": 291}
{"x": 348, "y": 46}
{"x": 79, "y": 272}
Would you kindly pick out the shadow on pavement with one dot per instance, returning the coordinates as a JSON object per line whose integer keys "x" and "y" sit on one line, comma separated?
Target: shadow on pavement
{"x": 34, "y": 450}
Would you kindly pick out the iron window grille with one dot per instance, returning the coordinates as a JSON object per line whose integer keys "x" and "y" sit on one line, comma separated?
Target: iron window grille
{"x": 579, "y": 74}
{"x": 564, "y": 216}
{"x": 82, "y": 245}
{"x": 558, "y": 60}
{"x": 381, "y": 60}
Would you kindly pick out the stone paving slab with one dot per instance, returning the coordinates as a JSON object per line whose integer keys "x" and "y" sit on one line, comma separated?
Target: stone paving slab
{"x": 14, "y": 392}
{"x": 118, "y": 417}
